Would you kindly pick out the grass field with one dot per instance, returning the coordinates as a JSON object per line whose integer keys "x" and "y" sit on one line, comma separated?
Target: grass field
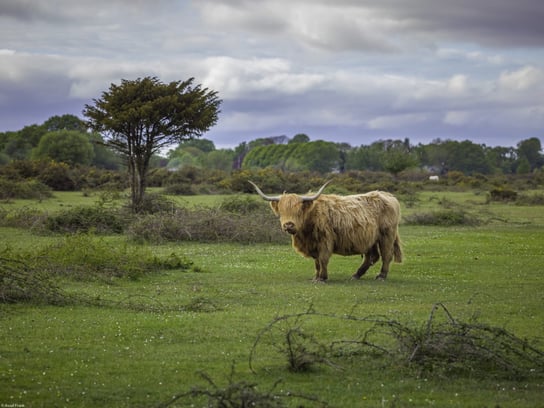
{"x": 150, "y": 339}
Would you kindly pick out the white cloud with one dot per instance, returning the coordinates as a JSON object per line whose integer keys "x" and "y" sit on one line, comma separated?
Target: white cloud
{"x": 523, "y": 79}
{"x": 243, "y": 77}
{"x": 458, "y": 85}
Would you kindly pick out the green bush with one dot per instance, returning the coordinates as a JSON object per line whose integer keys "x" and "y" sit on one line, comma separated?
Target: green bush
{"x": 24, "y": 217}
{"x": 85, "y": 256}
{"x": 33, "y": 276}
{"x": 26, "y": 189}
{"x": 530, "y": 199}
{"x": 58, "y": 176}
{"x": 157, "y": 203}
{"x": 184, "y": 188}
{"x": 61, "y": 177}
{"x": 92, "y": 177}
{"x": 242, "y": 204}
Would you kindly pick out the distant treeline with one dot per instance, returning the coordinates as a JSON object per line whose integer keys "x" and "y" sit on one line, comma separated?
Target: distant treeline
{"x": 65, "y": 139}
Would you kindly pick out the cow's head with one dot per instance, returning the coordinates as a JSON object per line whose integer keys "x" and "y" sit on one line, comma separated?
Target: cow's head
{"x": 291, "y": 208}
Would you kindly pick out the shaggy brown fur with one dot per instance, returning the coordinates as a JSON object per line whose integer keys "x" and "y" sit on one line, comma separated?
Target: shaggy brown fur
{"x": 365, "y": 224}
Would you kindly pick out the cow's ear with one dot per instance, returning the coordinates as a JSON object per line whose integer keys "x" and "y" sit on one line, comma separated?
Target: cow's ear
{"x": 275, "y": 205}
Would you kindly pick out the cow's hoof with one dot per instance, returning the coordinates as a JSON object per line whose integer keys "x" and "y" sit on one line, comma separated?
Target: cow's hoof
{"x": 355, "y": 277}
{"x": 319, "y": 280}
{"x": 380, "y": 277}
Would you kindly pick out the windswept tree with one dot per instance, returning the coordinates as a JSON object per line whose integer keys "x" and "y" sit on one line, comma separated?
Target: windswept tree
{"x": 138, "y": 118}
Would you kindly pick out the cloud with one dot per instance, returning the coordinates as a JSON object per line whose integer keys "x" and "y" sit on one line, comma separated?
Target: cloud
{"x": 262, "y": 17}
{"x": 523, "y": 79}
{"x": 385, "y": 26}
{"x": 456, "y": 118}
{"x": 236, "y": 77}
{"x": 70, "y": 11}
{"x": 314, "y": 25}
{"x": 458, "y": 85}
{"x": 397, "y": 121}
{"x": 478, "y": 57}
{"x": 498, "y": 23}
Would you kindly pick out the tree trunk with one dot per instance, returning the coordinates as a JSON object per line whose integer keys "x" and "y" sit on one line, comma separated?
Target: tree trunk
{"x": 137, "y": 175}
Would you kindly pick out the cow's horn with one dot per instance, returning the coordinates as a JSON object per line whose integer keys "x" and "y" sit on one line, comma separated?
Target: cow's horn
{"x": 316, "y": 195}
{"x": 263, "y": 195}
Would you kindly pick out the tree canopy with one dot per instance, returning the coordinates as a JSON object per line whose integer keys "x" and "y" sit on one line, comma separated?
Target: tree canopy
{"x": 318, "y": 156}
{"x": 66, "y": 146}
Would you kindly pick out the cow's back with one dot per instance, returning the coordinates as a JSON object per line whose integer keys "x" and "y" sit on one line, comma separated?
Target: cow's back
{"x": 375, "y": 207}
{"x": 352, "y": 224}
{"x": 381, "y": 206}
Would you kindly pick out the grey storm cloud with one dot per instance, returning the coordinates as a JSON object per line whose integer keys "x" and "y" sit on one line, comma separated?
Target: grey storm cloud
{"x": 490, "y": 22}
{"x": 350, "y": 70}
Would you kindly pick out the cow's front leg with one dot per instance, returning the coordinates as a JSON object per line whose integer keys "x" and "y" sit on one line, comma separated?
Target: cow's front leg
{"x": 317, "y": 270}
{"x": 321, "y": 274}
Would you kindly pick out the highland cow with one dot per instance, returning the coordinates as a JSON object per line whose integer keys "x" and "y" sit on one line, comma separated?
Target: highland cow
{"x": 324, "y": 224}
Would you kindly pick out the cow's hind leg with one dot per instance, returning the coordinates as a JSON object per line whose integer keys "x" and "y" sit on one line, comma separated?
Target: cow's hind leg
{"x": 371, "y": 257}
{"x": 386, "y": 245}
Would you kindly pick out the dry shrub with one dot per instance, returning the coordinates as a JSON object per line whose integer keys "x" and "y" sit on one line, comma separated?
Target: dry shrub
{"x": 451, "y": 346}
{"x": 232, "y": 221}
{"x": 502, "y": 195}
{"x": 84, "y": 219}
{"x": 446, "y": 217}
{"x": 444, "y": 346}
{"x": 239, "y": 394}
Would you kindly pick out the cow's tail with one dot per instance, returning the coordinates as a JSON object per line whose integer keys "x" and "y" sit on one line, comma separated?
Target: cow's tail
{"x": 397, "y": 249}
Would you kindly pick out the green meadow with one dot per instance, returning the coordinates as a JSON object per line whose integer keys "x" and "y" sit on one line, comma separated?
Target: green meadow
{"x": 245, "y": 320}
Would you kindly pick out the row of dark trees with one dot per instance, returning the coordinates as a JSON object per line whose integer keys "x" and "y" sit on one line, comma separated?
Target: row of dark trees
{"x": 393, "y": 156}
{"x": 66, "y": 139}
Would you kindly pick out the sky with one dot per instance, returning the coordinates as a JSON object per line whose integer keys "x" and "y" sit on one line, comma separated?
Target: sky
{"x": 351, "y": 71}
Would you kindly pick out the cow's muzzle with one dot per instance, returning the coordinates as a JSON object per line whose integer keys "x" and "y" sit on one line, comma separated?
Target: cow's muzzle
{"x": 289, "y": 227}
